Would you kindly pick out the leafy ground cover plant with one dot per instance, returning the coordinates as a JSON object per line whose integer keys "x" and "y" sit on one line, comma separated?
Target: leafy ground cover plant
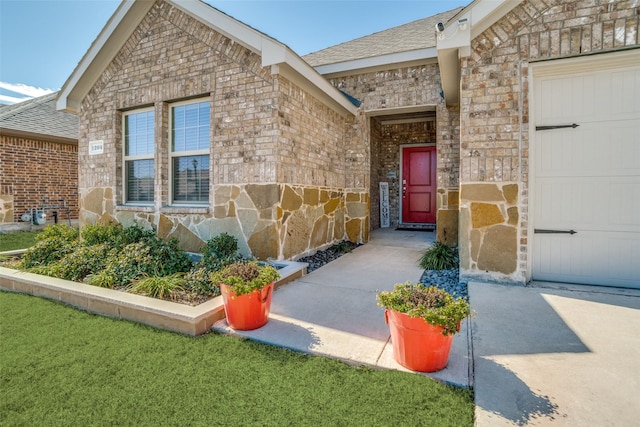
{"x": 439, "y": 256}
{"x": 118, "y": 257}
{"x": 434, "y": 305}
{"x": 53, "y": 243}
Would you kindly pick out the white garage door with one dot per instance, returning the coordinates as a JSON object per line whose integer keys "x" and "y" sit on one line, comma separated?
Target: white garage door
{"x": 585, "y": 200}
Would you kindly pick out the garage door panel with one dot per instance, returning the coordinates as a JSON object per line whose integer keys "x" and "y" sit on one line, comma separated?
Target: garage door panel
{"x": 603, "y": 204}
{"x": 625, "y": 88}
{"x": 594, "y": 258}
{"x": 598, "y": 96}
{"x": 593, "y": 149}
{"x": 586, "y": 180}
{"x": 625, "y": 148}
{"x": 562, "y": 106}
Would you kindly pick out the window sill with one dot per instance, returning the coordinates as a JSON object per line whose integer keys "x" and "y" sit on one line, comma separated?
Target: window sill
{"x": 185, "y": 209}
{"x": 135, "y": 208}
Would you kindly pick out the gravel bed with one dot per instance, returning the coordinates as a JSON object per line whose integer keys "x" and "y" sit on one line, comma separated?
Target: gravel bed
{"x": 321, "y": 258}
{"x": 447, "y": 280}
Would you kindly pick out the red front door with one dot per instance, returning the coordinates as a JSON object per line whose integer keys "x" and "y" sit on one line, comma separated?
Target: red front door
{"x": 419, "y": 184}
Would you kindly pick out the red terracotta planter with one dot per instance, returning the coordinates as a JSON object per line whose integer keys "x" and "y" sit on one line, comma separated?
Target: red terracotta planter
{"x": 417, "y": 345}
{"x": 249, "y": 311}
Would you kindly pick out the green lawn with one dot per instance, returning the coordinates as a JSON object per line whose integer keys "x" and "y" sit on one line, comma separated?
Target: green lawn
{"x": 17, "y": 240}
{"x": 64, "y": 367}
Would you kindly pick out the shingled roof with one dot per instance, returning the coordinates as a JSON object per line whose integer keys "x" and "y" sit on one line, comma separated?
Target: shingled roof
{"x": 38, "y": 118}
{"x": 415, "y": 35}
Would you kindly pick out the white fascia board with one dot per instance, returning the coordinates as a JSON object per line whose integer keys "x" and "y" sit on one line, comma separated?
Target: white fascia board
{"x": 101, "y": 53}
{"x": 377, "y": 61}
{"x": 243, "y": 34}
{"x": 487, "y": 12}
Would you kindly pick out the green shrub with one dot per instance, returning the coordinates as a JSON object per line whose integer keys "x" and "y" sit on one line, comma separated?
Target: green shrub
{"x": 54, "y": 243}
{"x": 167, "y": 257}
{"x": 129, "y": 264}
{"x": 50, "y": 270}
{"x": 114, "y": 234}
{"x": 220, "y": 251}
{"x": 159, "y": 287}
{"x": 83, "y": 261}
{"x": 197, "y": 280}
{"x": 342, "y": 247}
{"x": 149, "y": 257}
{"x": 439, "y": 257}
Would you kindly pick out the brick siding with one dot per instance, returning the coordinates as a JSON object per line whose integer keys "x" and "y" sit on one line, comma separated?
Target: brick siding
{"x": 32, "y": 169}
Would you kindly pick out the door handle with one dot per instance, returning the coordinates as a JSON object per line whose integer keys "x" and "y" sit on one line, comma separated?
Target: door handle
{"x": 539, "y": 231}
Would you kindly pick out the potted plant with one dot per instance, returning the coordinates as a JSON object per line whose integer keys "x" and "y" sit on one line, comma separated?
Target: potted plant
{"x": 246, "y": 289}
{"x": 422, "y": 321}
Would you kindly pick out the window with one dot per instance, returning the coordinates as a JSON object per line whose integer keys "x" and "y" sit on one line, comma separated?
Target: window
{"x": 190, "y": 129}
{"x": 138, "y": 156}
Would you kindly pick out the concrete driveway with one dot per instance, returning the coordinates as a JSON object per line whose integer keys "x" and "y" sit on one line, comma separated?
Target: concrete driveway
{"x": 556, "y": 355}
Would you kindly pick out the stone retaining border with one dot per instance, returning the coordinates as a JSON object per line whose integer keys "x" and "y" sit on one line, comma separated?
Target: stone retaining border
{"x": 176, "y": 317}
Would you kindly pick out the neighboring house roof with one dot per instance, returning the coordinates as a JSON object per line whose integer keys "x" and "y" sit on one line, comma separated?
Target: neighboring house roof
{"x": 38, "y": 118}
{"x": 418, "y": 35}
{"x": 129, "y": 15}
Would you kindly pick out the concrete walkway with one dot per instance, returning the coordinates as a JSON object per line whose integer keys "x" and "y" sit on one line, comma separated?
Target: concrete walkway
{"x": 332, "y": 311}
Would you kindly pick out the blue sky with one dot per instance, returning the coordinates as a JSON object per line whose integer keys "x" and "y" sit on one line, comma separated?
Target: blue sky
{"x": 41, "y": 41}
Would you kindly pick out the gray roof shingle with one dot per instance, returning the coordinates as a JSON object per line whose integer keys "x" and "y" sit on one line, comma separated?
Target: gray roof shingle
{"x": 39, "y": 116}
{"x": 415, "y": 35}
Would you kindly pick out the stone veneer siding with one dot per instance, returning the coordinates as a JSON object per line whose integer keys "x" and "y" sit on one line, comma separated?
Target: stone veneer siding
{"x": 32, "y": 169}
{"x": 494, "y": 111}
{"x": 278, "y": 174}
{"x": 378, "y": 149}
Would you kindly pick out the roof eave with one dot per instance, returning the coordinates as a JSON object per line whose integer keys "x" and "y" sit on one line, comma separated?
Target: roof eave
{"x": 128, "y": 15}
{"x": 37, "y": 136}
{"x": 286, "y": 62}
{"x": 375, "y": 62}
{"x": 101, "y": 52}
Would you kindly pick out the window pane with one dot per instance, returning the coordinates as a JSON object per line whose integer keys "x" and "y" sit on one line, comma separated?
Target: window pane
{"x": 139, "y": 180}
{"x": 194, "y": 122}
{"x": 138, "y": 133}
{"x": 191, "y": 179}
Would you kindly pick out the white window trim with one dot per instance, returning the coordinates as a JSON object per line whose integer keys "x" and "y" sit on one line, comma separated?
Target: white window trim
{"x": 173, "y": 155}
{"x": 126, "y": 158}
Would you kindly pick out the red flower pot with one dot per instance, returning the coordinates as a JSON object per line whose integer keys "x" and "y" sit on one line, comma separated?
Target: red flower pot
{"x": 417, "y": 345}
{"x": 249, "y": 311}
